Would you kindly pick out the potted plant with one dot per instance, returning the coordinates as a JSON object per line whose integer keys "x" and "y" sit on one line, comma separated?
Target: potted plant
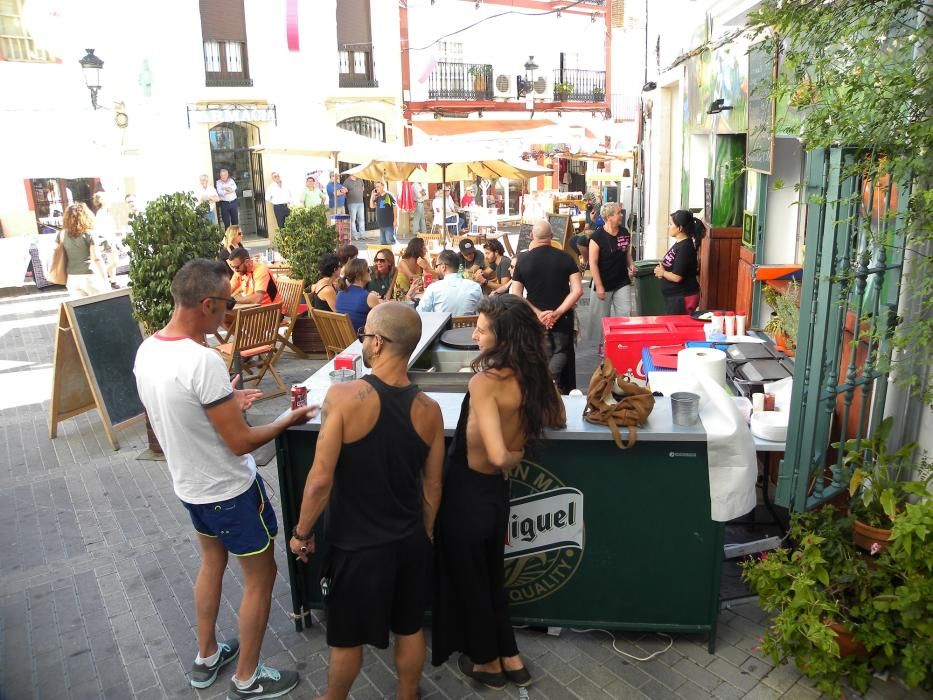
{"x": 598, "y": 94}
{"x": 841, "y": 616}
{"x": 878, "y": 487}
{"x": 478, "y": 73}
{"x": 785, "y": 317}
{"x": 172, "y": 230}
{"x": 562, "y": 90}
{"x": 307, "y": 235}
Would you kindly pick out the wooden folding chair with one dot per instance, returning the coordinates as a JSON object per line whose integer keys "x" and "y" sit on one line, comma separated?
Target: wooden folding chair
{"x": 255, "y": 335}
{"x": 463, "y": 321}
{"x": 336, "y": 330}
{"x": 292, "y": 294}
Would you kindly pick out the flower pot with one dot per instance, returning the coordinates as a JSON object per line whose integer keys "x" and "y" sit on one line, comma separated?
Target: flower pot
{"x": 562, "y": 96}
{"x": 154, "y": 445}
{"x": 479, "y": 84}
{"x": 865, "y": 536}
{"x": 848, "y": 645}
{"x": 305, "y": 335}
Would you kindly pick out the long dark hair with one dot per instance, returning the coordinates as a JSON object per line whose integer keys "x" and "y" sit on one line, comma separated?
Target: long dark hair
{"x": 414, "y": 249}
{"x": 691, "y": 225}
{"x": 520, "y": 347}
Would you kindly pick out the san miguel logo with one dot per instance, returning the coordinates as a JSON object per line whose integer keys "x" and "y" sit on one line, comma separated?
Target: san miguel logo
{"x": 545, "y": 534}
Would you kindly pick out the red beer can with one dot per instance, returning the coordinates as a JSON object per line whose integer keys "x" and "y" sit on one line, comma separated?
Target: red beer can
{"x": 428, "y": 278}
{"x": 299, "y": 396}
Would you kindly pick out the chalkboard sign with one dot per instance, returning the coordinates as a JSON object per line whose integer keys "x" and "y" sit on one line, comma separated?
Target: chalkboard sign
{"x": 524, "y": 238}
{"x": 759, "y": 146}
{"x": 95, "y": 350}
{"x": 559, "y": 225}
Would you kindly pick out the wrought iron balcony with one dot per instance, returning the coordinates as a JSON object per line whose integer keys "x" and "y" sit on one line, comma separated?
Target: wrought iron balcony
{"x": 460, "y": 81}
{"x": 585, "y": 85}
{"x": 356, "y": 67}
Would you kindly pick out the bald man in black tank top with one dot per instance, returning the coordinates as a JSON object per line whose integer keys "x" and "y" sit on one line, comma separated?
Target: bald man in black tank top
{"x": 377, "y": 469}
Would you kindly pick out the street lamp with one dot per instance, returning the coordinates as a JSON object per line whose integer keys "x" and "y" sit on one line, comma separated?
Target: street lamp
{"x": 92, "y": 66}
{"x": 525, "y": 86}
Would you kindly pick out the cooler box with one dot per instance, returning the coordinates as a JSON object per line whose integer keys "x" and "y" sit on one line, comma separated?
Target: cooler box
{"x": 626, "y": 336}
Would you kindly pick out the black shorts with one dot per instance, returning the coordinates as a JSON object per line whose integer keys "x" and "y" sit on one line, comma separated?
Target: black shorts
{"x": 372, "y": 591}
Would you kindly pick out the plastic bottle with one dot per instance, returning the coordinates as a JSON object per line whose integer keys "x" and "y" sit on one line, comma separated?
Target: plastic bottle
{"x": 740, "y": 324}
{"x": 460, "y": 269}
{"x": 729, "y": 323}
{"x": 717, "y": 321}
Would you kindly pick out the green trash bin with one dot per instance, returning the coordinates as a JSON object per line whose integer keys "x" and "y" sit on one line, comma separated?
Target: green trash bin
{"x": 650, "y": 299}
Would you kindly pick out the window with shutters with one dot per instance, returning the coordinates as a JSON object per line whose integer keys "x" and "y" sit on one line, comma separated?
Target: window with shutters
{"x": 355, "y": 66}
{"x": 16, "y": 44}
{"x": 223, "y": 31}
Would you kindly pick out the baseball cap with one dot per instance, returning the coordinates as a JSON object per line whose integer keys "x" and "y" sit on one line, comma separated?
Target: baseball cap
{"x": 466, "y": 246}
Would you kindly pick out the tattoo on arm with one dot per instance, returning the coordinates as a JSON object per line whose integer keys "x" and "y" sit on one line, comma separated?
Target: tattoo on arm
{"x": 363, "y": 393}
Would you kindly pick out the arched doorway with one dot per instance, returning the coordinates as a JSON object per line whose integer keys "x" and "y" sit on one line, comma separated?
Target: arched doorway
{"x": 230, "y": 144}
{"x": 372, "y": 128}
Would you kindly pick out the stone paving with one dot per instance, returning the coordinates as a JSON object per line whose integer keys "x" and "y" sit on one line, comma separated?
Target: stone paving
{"x": 98, "y": 560}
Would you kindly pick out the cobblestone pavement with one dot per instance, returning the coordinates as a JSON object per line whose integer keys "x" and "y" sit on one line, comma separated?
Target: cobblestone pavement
{"x": 99, "y": 560}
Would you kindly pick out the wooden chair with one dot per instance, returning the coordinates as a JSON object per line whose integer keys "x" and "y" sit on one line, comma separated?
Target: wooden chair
{"x": 429, "y": 238}
{"x": 255, "y": 336}
{"x": 455, "y": 241}
{"x": 292, "y": 293}
{"x": 336, "y": 330}
{"x": 463, "y": 321}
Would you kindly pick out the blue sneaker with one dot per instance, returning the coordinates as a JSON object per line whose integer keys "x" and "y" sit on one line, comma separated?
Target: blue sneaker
{"x": 202, "y": 675}
{"x": 267, "y": 683}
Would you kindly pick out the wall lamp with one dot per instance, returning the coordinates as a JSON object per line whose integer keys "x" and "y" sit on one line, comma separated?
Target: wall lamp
{"x": 649, "y": 86}
{"x": 717, "y": 106}
{"x": 91, "y": 65}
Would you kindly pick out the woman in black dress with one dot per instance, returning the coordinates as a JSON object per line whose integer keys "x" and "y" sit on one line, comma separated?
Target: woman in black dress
{"x": 510, "y": 400}
{"x": 324, "y": 291}
{"x": 679, "y": 268}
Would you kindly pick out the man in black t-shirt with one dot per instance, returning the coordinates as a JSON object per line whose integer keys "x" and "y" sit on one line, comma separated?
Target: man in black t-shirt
{"x": 386, "y": 213}
{"x": 552, "y": 281}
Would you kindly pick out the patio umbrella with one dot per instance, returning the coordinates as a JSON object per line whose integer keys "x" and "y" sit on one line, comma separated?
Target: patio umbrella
{"x": 440, "y": 162}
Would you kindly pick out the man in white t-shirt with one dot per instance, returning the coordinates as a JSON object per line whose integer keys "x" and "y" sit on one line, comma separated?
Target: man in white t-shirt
{"x": 196, "y": 414}
{"x": 229, "y": 207}
{"x": 206, "y": 192}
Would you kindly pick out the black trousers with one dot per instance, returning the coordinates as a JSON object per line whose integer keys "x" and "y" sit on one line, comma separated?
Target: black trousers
{"x": 229, "y": 212}
{"x": 281, "y": 213}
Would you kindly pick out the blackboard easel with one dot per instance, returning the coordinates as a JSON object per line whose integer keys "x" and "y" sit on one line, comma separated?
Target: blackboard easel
{"x": 95, "y": 347}
{"x": 524, "y": 238}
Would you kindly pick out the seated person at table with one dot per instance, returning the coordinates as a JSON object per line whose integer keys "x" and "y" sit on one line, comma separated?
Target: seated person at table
{"x": 453, "y": 216}
{"x": 382, "y": 273}
{"x": 413, "y": 264}
{"x": 466, "y": 201}
{"x": 450, "y": 293}
{"x": 469, "y": 259}
{"x": 345, "y": 254}
{"x": 252, "y": 282}
{"x": 356, "y": 300}
{"x": 324, "y": 291}
{"x": 496, "y": 273}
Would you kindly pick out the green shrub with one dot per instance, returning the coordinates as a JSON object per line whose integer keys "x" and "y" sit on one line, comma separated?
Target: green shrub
{"x": 306, "y": 236}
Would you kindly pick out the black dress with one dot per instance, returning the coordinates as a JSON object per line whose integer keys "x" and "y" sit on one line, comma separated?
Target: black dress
{"x": 471, "y": 608}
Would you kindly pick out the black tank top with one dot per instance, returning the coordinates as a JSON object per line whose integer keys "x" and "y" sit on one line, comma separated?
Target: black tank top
{"x": 318, "y": 303}
{"x": 377, "y": 497}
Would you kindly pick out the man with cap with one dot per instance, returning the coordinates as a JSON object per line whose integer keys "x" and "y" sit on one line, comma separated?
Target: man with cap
{"x": 451, "y": 293}
{"x": 469, "y": 259}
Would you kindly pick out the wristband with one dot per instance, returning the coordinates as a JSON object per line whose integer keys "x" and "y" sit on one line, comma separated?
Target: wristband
{"x": 300, "y": 538}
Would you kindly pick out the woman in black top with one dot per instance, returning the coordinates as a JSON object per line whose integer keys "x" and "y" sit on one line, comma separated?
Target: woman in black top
{"x": 324, "y": 291}
{"x": 679, "y": 268}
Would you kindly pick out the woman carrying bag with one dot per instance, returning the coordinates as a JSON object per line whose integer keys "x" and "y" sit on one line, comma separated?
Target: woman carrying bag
{"x": 80, "y": 253}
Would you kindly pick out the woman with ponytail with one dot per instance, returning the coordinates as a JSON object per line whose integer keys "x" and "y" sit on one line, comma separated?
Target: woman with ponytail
{"x": 679, "y": 268}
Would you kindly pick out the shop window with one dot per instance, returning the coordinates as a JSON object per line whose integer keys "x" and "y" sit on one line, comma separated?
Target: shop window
{"x": 223, "y": 30}
{"x": 355, "y": 64}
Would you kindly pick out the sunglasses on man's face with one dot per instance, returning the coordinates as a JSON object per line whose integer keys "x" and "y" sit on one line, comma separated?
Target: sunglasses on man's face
{"x": 230, "y": 301}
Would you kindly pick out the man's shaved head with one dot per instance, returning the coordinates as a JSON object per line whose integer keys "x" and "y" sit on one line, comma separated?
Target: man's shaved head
{"x": 398, "y": 322}
{"x": 542, "y": 230}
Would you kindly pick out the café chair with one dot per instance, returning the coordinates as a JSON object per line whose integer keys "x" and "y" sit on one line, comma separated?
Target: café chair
{"x": 484, "y": 221}
{"x": 292, "y": 294}
{"x": 452, "y": 226}
{"x": 432, "y": 238}
{"x": 335, "y": 329}
{"x": 255, "y": 336}
{"x": 463, "y": 321}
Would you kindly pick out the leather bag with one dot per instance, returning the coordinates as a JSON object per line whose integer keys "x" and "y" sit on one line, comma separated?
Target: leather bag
{"x": 58, "y": 270}
{"x": 615, "y": 401}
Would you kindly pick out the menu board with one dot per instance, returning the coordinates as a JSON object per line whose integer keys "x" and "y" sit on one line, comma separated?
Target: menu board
{"x": 559, "y": 225}
{"x": 759, "y": 146}
{"x": 524, "y": 238}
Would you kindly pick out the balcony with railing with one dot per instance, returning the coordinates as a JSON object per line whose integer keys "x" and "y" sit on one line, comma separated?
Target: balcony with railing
{"x": 460, "y": 81}
{"x": 574, "y": 85}
{"x": 356, "y": 67}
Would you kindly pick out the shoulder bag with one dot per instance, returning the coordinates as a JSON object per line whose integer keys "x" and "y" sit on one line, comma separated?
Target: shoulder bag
{"x": 614, "y": 401}
{"x": 58, "y": 270}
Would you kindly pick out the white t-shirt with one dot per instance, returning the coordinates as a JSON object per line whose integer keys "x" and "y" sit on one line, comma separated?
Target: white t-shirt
{"x": 178, "y": 379}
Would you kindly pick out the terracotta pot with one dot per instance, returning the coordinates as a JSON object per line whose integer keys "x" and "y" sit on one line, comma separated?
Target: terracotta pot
{"x": 154, "y": 445}
{"x": 848, "y": 645}
{"x": 865, "y": 536}
{"x": 305, "y": 335}
{"x": 479, "y": 84}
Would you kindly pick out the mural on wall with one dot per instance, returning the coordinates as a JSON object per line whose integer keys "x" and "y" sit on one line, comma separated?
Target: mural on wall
{"x": 728, "y": 180}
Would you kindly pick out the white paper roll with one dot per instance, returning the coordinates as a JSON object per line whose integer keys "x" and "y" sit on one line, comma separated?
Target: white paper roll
{"x": 707, "y": 361}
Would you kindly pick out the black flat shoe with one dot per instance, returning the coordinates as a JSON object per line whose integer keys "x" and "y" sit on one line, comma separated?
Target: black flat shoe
{"x": 520, "y": 677}
{"x": 493, "y": 681}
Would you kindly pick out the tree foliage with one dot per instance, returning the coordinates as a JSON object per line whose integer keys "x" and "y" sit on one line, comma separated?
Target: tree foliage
{"x": 857, "y": 73}
{"x": 306, "y": 236}
{"x": 172, "y": 230}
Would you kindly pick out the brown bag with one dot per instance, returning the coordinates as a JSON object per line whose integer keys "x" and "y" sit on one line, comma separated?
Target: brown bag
{"x": 613, "y": 400}
{"x": 58, "y": 270}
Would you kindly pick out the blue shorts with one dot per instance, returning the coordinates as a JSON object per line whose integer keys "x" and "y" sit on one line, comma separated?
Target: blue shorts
{"x": 245, "y": 524}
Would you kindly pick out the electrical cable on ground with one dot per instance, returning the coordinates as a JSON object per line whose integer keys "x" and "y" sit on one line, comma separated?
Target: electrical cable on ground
{"x": 616, "y": 649}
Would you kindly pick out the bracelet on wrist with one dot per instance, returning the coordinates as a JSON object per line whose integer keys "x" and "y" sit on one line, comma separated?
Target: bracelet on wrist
{"x": 302, "y": 538}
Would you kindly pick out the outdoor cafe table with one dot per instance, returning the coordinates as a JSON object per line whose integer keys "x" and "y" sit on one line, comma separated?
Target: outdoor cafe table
{"x": 598, "y": 536}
